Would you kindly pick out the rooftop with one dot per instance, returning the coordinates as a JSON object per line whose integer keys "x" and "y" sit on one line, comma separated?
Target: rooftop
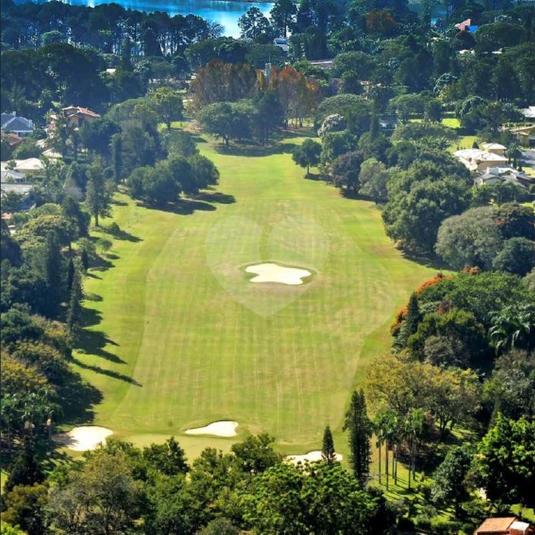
{"x": 74, "y": 110}
{"x": 496, "y": 525}
{"x": 11, "y": 122}
{"x": 493, "y": 146}
{"x": 29, "y": 164}
{"x": 529, "y": 112}
{"x": 481, "y": 155}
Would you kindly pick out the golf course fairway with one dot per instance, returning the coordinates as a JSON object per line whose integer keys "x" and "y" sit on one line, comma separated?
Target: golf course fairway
{"x": 176, "y": 337}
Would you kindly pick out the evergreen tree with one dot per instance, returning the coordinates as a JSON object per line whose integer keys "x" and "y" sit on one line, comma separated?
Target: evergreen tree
{"x": 410, "y": 325}
{"x": 413, "y": 315}
{"x": 374, "y": 126}
{"x": 25, "y": 469}
{"x": 360, "y": 431}
{"x": 74, "y": 312}
{"x": 327, "y": 450}
{"x": 97, "y": 197}
{"x": 53, "y": 274}
{"x": 117, "y": 157}
{"x": 84, "y": 259}
{"x": 70, "y": 274}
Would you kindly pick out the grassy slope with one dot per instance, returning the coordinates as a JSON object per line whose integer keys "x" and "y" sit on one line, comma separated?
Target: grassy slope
{"x": 171, "y": 348}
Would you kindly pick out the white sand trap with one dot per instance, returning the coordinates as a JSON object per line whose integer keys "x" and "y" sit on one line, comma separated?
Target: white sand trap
{"x": 311, "y": 457}
{"x": 87, "y": 437}
{"x": 223, "y": 428}
{"x": 271, "y": 272}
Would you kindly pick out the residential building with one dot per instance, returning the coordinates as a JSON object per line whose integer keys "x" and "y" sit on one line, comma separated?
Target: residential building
{"x": 528, "y": 113}
{"x": 525, "y": 135}
{"x": 75, "y": 115}
{"x": 13, "y": 181}
{"x": 13, "y": 140}
{"x": 11, "y": 122}
{"x": 495, "y": 148}
{"x": 28, "y": 167}
{"x": 504, "y": 175}
{"x": 282, "y": 43}
{"x": 326, "y": 64}
{"x": 480, "y": 160}
{"x": 507, "y": 525}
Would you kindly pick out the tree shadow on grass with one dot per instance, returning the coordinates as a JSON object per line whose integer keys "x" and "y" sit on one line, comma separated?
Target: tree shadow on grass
{"x": 215, "y": 196}
{"x": 256, "y": 150}
{"x": 78, "y": 398}
{"x": 94, "y": 342}
{"x": 102, "y": 371}
{"x": 298, "y": 133}
{"x": 119, "y": 234}
{"x": 188, "y": 207}
{"x": 317, "y": 177}
{"x": 100, "y": 263}
{"x": 431, "y": 262}
{"x": 111, "y": 256}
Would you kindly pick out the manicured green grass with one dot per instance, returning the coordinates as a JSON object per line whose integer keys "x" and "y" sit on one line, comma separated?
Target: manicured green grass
{"x": 452, "y": 122}
{"x": 177, "y": 337}
{"x": 463, "y": 142}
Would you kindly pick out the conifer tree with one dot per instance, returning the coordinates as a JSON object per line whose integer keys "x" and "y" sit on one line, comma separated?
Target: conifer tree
{"x": 97, "y": 197}
{"x": 413, "y": 315}
{"x": 25, "y": 469}
{"x": 374, "y": 126}
{"x": 117, "y": 157}
{"x": 327, "y": 450}
{"x": 360, "y": 430}
{"x": 53, "y": 274}
{"x": 70, "y": 274}
{"x": 74, "y": 312}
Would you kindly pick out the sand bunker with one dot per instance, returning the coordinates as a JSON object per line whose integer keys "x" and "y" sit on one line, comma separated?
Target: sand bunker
{"x": 271, "y": 272}
{"x": 84, "y": 438}
{"x": 223, "y": 428}
{"x": 311, "y": 457}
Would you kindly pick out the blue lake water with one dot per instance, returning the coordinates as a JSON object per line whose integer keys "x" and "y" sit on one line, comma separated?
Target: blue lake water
{"x": 224, "y": 13}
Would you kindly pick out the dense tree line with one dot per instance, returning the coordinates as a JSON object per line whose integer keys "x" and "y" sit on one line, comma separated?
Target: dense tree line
{"x": 460, "y": 345}
{"x": 109, "y": 28}
{"x": 119, "y": 487}
{"x": 462, "y": 360}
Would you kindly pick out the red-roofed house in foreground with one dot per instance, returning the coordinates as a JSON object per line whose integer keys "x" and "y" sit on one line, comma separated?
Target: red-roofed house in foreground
{"x": 504, "y": 525}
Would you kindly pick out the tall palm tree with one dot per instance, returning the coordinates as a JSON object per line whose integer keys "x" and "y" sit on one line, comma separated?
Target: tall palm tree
{"x": 514, "y": 154}
{"x": 412, "y": 430}
{"x": 386, "y": 431}
{"x": 513, "y": 326}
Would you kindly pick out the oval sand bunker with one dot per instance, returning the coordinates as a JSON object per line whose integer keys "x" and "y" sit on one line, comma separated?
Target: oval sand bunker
{"x": 223, "y": 428}
{"x": 271, "y": 272}
{"x": 311, "y": 457}
{"x": 84, "y": 438}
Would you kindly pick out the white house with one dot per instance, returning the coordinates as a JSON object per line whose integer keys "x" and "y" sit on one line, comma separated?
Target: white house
{"x": 480, "y": 160}
{"x": 282, "y": 43}
{"x": 495, "y": 148}
{"x": 27, "y": 167}
{"x": 528, "y": 113}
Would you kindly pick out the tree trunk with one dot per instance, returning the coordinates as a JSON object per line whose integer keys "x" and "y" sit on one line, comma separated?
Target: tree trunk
{"x": 386, "y": 464}
{"x": 96, "y": 219}
{"x": 413, "y": 461}
{"x": 379, "y": 446}
{"x": 396, "y": 464}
